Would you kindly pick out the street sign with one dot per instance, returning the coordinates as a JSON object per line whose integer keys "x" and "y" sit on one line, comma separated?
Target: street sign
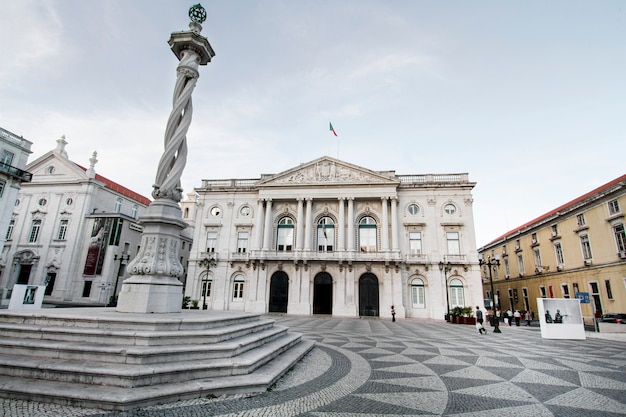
{"x": 583, "y": 297}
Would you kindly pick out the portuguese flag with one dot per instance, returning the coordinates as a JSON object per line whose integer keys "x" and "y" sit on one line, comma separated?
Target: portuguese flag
{"x": 331, "y": 129}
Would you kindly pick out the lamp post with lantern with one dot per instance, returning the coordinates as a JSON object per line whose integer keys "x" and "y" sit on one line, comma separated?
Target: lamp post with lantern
{"x": 492, "y": 263}
{"x": 445, "y": 268}
{"x": 206, "y": 262}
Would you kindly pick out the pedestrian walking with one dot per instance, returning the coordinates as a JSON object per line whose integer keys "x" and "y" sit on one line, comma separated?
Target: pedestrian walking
{"x": 480, "y": 320}
{"x": 528, "y": 317}
{"x": 509, "y": 316}
{"x": 517, "y": 316}
{"x": 393, "y": 313}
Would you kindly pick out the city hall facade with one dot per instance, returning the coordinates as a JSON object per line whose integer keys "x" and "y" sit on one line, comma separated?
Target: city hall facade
{"x": 329, "y": 237}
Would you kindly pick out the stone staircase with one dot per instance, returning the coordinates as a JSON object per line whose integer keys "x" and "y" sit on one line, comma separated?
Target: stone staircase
{"x": 96, "y": 357}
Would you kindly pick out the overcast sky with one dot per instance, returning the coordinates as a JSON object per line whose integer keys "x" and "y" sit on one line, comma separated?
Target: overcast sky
{"x": 528, "y": 97}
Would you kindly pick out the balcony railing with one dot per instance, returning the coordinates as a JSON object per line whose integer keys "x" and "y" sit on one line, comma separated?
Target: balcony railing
{"x": 16, "y": 173}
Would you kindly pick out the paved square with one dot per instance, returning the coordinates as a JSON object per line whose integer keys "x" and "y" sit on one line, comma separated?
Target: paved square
{"x": 371, "y": 367}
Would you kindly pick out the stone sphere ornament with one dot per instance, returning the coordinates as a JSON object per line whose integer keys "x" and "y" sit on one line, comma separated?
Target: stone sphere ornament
{"x": 197, "y": 13}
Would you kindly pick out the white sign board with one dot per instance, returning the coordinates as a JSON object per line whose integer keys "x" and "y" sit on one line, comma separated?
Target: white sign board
{"x": 561, "y": 318}
{"x": 27, "y": 297}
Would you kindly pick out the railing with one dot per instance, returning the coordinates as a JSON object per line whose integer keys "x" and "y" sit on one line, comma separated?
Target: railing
{"x": 433, "y": 178}
{"x": 17, "y": 173}
{"x": 230, "y": 183}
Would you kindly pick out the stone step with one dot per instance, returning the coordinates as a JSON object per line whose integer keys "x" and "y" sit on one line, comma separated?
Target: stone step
{"x": 185, "y": 349}
{"x": 88, "y": 334}
{"x": 107, "y": 318}
{"x": 123, "y": 399}
{"x": 137, "y": 375}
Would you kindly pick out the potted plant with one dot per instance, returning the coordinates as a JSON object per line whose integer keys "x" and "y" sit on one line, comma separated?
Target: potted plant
{"x": 456, "y": 314}
{"x": 468, "y": 315}
{"x": 194, "y": 304}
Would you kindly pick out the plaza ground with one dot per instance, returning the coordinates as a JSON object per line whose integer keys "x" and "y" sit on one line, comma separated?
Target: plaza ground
{"x": 374, "y": 367}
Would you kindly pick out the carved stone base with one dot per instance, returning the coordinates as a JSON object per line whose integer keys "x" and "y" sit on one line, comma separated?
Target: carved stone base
{"x": 154, "y": 285}
{"x": 144, "y": 294}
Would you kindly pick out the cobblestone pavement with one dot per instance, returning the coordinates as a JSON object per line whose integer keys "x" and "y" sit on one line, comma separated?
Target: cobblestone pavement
{"x": 375, "y": 367}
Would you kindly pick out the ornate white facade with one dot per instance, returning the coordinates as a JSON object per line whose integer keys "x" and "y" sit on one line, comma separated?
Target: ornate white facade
{"x": 329, "y": 237}
{"x": 72, "y": 229}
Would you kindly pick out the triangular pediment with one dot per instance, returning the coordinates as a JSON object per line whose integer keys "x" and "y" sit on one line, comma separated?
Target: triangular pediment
{"x": 51, "y": 167}
{"x": 327, "y": 170}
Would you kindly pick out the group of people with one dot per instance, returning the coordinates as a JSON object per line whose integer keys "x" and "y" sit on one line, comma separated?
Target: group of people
{"x": 508, "y": 318}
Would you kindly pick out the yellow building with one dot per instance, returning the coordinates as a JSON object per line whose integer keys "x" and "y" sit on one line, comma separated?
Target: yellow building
{"x": 577, "y": 249}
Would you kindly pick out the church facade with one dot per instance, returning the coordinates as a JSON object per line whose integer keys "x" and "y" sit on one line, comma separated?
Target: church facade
{"x": 329, "y": 237}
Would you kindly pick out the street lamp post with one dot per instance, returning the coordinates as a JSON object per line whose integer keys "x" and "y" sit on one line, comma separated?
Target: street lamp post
{"x": 489, "y": 264}
{"x": 124, "y": 257}
{"x": 206, "y": 262}
{"x": 445, "y": 268}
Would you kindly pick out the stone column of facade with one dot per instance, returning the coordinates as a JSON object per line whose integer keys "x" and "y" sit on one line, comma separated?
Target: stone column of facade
{"x": 309, "y": 226}
{"x": 267, "y": 232}
{"x": 341, "y": 243}
{"x": 350, "y": 224}
{"x": 395, "y": 246}
{"x": 384, "y": 233}
{"x": 300, "y": 225}
{"x": 258, "y": 232}
{"x": 154, "y": 285}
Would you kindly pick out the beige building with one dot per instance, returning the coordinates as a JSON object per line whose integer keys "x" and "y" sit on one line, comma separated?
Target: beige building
{"x": 577, "y": 248}
{"x": 329, "y": 237}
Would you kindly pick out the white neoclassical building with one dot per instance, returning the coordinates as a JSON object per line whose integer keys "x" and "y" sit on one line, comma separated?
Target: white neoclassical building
{"x": 330, "y": 237}
{"x": 70, "y": 229}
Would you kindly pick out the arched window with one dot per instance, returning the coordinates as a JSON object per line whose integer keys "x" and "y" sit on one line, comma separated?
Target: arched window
{"x": 418, "y": 294}
{"x": 238, "y": 282}
{"x": 367, "y": 234}
{"x": 325, "y": 234}
{"x": 284, "y": 237}
{"x": 457, "y": 298}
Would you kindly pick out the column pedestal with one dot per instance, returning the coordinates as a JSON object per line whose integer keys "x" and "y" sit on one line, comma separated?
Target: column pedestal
{"x": 154, "y": 285}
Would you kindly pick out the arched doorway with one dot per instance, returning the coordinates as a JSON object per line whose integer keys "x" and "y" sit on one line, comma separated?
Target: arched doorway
{"x": 279, "y": 292}
{"x": 323, "y": 294}
{"x": 368, "y": 295}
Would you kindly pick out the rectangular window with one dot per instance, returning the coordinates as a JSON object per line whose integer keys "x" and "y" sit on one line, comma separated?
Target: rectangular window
{"x": 2, "y": 184}
{"x": 62, "y": 229}
{"x": 575, "y": 286}
{"x": 415, "y": 243}
{"x": 206, "y": 289}
{"x": 6, "y": 158}
{"x": 325, "y": 238}
{"x": 35, "y": 228}
{"x": 9, "y": 234}
{"x": 367, "y": 239}
{"x": 551, "y": 291}
{"x": 609, "y": 291}
{"x": 520, "y": 263}
{"x": 134, "y": 211}
{"x": 538, "y": 260}
{"x": 238, "y": 290}
{"x": 525, "y": 295}
{"x": 211, "y": 241}
{"x": 454, "y": 245}
{"x": 118, "y": 205}
{"x": 242, "y": 242}
{"x": 586, "y": 246}
{"x": 565, "y": 290}
{"x": 534, "y": 237}
{"x": 555, "y": 230}
{"x": 558, "y": 252}
{"x": 87, "y": 288}
{"x": 580, "y": 220}
{"x": 418, "y": 296}
{"x": 507, "y": 268}
{"x": 285, "y": 239}
{"x": 613, "y": 207}
{"x": 620, "y": 238}
{"x": 542, "y": 291}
